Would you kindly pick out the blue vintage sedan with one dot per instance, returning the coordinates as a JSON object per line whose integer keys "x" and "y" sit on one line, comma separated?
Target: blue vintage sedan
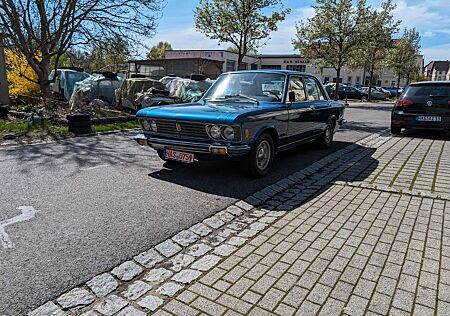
{"x": 246, "y": 115}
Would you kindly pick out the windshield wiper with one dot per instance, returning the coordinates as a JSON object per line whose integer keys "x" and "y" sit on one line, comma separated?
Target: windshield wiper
{"x": 241, "y": 96}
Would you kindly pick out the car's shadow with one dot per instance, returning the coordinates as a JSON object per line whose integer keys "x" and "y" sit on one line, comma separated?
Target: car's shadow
{"x": 225, "y": 178}
{"x": 426, "y": 134}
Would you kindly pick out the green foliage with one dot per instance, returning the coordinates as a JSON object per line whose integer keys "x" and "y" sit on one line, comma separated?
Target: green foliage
{"x": 159, "y": 51}
{"x": 111, "y": 55}
{"x": 402, "y": 56}
{"x": 98, "y": 128}
{"x": 334, "y": 33}
{"x": 241, "y": 23}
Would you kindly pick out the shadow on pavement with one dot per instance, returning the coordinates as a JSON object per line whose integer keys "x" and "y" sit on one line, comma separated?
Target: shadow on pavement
{"x": 226, "y": 179}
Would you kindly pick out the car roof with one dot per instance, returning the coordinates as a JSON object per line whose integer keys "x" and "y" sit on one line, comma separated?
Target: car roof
{"x": 429, "y": 83}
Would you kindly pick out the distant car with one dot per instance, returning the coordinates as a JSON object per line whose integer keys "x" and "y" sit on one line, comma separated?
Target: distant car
{"x": 423, "y": 105}
{"x": 375, "y": 93}
{"x": 247, "y": 116}
{"x": 393, "y": 91}
{"x": 347, "y": 92}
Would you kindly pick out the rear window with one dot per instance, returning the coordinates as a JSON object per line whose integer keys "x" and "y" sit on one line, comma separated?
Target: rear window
{"x": 428, "y": 90}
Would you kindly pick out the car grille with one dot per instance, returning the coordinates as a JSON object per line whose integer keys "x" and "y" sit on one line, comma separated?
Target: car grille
{"x": 188, "y": 129}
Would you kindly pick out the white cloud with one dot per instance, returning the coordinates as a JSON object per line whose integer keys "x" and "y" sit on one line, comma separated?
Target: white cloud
{"x": 438, "y": 52}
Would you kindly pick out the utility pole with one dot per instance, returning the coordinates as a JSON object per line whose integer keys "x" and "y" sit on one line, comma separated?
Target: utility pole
{"x": 4, "y": 93}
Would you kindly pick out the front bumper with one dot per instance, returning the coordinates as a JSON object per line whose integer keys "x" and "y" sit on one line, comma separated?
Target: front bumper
{"x": 193, "y": 147}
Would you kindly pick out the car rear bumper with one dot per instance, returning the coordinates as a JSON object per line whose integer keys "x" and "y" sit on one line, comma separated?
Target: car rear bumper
{"x": 404, "y": 120}
{"x": 194, "y": 147}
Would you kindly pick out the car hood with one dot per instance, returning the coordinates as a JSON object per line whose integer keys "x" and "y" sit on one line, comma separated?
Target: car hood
{"x": 223, "y": 112}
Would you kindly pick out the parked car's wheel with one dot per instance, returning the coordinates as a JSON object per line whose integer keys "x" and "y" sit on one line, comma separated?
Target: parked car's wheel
{"x": 260, "y": 160}
{"x": 396, "y": 130}
{"x": 325, "y": 140}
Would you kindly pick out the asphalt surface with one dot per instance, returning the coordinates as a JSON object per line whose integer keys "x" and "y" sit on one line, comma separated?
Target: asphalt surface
{"x": 102, "y": 200}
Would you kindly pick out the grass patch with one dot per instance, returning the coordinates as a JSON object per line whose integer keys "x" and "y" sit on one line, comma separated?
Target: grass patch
{"x": 98, "y": 128}
{"x": 25, "y": 130}
{"x": 14, "y": 127}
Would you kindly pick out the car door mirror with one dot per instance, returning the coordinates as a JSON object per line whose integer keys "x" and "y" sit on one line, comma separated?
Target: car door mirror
{"x": 292, "y": 96}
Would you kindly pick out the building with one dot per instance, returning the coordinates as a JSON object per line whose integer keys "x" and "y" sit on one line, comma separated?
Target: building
{"x": 437, "y": 70}
{"x": 229, "y": 60}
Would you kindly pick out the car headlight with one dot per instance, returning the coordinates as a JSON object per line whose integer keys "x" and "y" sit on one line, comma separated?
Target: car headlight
{"x": 154, "y": 126}
{"x": 146, "y": 125}
{"x": 228, "y": 133}
{"x": 215, "y": 132}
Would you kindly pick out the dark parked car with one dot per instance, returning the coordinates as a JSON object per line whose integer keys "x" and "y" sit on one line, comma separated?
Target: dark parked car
{"x": 247, "y": 116}
{"x": 393, "y": 91}
{"x": 423, "y": 105}
{"x": 347, "y": 92}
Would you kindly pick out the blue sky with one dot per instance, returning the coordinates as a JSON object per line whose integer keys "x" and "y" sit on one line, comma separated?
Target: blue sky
{"x": 431, "y": 18}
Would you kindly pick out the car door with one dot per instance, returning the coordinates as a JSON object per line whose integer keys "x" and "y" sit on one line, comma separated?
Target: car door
{"x": 300, "y": 119}
{"x": 319, "y": 104}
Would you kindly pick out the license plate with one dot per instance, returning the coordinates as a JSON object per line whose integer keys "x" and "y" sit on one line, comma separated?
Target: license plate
{"x": 179, "y": 156}
{"x": 425, "y": 118}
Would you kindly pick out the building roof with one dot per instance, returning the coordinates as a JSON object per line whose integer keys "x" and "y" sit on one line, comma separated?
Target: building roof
{"x": 442, "y": 65}
{"x": 279, "y": 56}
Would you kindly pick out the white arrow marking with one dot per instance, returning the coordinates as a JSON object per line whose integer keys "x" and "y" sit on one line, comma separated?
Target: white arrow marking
{"x": 28, "y": 213}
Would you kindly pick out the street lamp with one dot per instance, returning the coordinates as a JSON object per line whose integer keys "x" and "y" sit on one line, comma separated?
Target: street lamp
{"x": 4, "y": 93}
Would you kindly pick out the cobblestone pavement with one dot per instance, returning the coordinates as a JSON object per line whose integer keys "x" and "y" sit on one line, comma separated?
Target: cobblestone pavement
{"x": 364, "y": 231}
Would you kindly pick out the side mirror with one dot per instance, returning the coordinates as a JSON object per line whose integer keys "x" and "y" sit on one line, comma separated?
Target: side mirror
{"x": 291, "y": 96}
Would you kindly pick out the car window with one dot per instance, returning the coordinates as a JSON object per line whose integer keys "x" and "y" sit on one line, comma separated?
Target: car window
{"x": 296, "y": 85}
{"x": 426, "y": 91}
{"x": 314, "y": 93}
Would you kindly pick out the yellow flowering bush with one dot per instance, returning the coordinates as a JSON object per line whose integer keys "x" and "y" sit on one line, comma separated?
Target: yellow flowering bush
{"x": 17, "y": 69}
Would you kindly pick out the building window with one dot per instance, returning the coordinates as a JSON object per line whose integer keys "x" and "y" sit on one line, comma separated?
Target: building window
{"x": 379, "y": 83}
{"x": 231, "y": 65}
{"x": 358, "y": 80}
{"x": 349, "y": 80}
{"x": 301, "y": 68}
{"x": 393, "y": 83}
{"x": 326, "y": 80}
{"x": 334, "y": 80}
{"x": 275, "y": 67}
{"x": 254, "y": 66}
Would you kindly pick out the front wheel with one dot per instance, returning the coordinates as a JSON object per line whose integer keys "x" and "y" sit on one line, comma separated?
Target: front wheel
{"x": 161, "y": 154}
{"x": 260, "y": 160}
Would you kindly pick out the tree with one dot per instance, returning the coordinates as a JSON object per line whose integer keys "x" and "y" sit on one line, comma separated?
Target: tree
{"x": 241, "y": 23}
{"x": 378, "y": 30}
{"x": 111, "y": 56}
{"x": 41, "y": 30}
{"x": 333, "y": 34}
{"x": 159, "y": 51}
{"x": 402, "y": 56}
{"x": 18, "y": 70}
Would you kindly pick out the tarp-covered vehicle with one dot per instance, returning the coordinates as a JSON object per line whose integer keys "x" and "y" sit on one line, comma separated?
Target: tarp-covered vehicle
{"x": 63, "y": 80}
{"x": 132, "y": 91}
{"x": 187, "y": 90}
{"x": 99, "y": 86}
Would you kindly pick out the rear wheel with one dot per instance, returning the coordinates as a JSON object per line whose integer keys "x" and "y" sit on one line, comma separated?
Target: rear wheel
{"x": 396, "y": 130}
{"x": 260, "y": 160}
{"x": 325, "y": 140}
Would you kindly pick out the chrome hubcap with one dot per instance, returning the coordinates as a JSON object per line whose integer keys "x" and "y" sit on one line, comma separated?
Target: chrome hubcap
{"x": 263, "y": 155}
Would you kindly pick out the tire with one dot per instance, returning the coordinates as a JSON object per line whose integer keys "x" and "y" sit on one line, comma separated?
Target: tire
{"x": 396, "y": 130}
{"x": 260, "y": 160}
{"x": 326, "y": 139}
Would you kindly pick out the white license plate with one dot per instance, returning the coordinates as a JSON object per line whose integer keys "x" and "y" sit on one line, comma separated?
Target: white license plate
{"x": 428, "y": 118}
{"x": 179, "y": 156}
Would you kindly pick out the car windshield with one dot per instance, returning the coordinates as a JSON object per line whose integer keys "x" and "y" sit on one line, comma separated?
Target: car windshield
{"x": 248, "y": 87}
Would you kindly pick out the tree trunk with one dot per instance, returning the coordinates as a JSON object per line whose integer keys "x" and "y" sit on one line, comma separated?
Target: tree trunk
{"x": 4, "y": 93}
{"x": 44, "y": 83}
{"x": 398, "y": 85}
{"x": 240, "y": 59}
{"x": 369, "y": 95}
{"x": 336, "y": 90}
